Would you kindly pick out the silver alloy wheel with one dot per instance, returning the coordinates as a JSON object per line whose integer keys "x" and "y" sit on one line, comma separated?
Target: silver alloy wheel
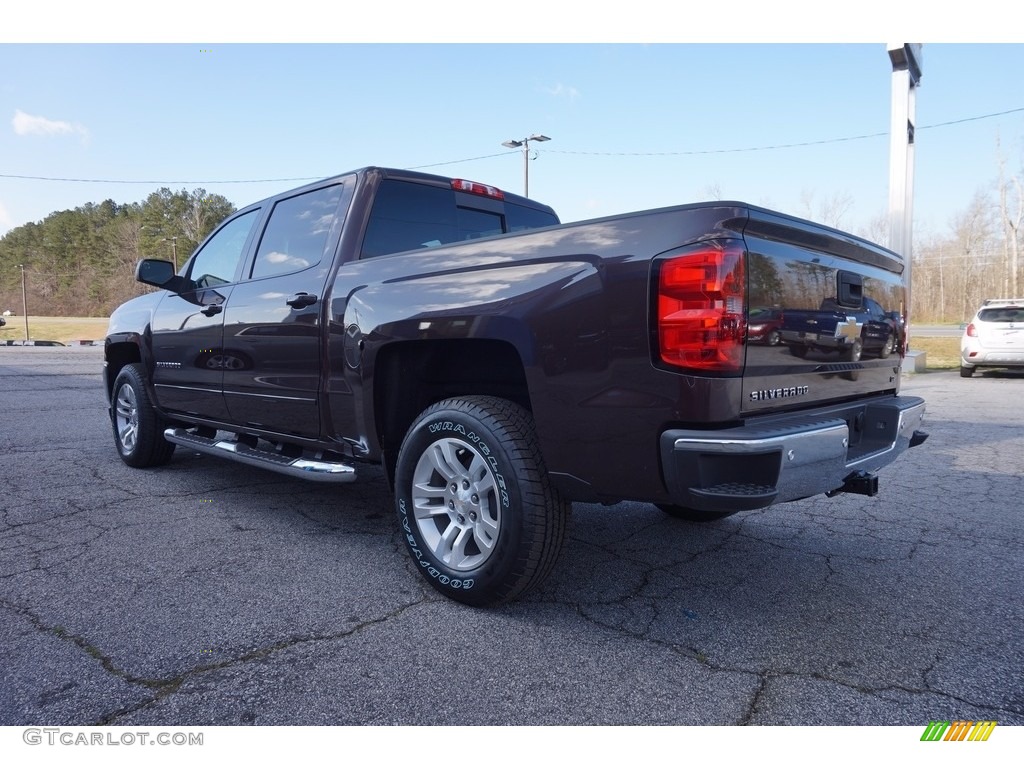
{"x": 456, "y": 504}
{"x": 127, "y": 418}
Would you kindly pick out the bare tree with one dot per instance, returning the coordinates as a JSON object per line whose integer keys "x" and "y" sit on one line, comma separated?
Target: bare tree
{"x": 876, "y": 229}
{"x": 972, "y": 239}
{"x": 1011, "y": 214}
{"x": 829, "y": 211}
{"x": 712, "y": 192}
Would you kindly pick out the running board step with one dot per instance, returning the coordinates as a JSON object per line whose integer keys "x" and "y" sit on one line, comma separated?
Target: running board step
{"x": 307, "y": 469}
{"x": 736, "y": 496}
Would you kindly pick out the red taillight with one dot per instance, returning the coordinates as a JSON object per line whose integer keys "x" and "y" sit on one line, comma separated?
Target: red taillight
{"x": 476, "y": 188}
{"x": 700, "y": 315}
{"x": 971, "y": 330}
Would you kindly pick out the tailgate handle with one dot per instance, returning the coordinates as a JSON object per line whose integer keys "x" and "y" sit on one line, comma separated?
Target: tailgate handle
{"x": 850, "y": 290}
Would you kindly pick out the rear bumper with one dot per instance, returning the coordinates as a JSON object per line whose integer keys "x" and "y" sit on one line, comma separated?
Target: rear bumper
{"x": 782, "y": 458}
{"x": 981, "y": 357}
{"x": 820, "y": 341}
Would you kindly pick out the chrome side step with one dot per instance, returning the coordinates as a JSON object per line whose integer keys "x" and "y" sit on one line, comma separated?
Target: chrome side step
{"x": 306, "y": 469}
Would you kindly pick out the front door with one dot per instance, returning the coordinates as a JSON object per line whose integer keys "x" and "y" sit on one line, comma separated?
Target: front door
{"x": 188, "y": 327}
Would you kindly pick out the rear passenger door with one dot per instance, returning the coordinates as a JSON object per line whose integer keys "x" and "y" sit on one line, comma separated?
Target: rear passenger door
{"x": 272, "y": 324}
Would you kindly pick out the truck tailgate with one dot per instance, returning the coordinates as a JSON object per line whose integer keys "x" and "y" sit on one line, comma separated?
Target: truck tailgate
{"x": 846, "y": 302}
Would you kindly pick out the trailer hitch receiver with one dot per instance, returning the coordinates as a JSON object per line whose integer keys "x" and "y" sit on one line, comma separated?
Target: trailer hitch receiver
{"x": 860, "y": 482}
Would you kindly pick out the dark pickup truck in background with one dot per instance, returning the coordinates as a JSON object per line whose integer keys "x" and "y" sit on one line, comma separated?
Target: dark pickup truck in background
{"x": 852, "y": 325}
{"x": 500, "y": 365}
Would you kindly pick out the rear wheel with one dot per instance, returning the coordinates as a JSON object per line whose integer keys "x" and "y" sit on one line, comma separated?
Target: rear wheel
{"x": 478, "y": 513}
{"x": 966, "y": 372}
{"x": 888, "y": 347}
{"x": 773, "y": 338}
{"x": 138, "y": 429}
{"x": 692, "y": 515}
{"x": 799, "y": 350}
{"x": 852, "y": 353}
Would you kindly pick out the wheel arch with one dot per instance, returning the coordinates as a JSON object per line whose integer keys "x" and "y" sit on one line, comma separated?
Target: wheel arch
{"x": 116, "y": 356}
{"x": 410, "y": 376}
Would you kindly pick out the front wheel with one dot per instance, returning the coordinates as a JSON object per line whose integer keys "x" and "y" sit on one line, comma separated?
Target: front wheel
{"x": 478, "y": 513}
{"x": 138, "y": 429}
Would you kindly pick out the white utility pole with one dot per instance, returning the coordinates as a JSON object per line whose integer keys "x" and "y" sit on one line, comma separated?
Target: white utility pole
{"x": 906, "y": 76}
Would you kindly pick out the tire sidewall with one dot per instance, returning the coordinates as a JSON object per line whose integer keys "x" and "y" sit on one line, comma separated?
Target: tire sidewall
{"x": 126, "y": 379}
{"x": 151, "y": 449}
{"x": 486, "y": 583}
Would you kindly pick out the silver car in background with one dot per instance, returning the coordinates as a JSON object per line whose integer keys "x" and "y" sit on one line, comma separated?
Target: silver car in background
{"x": 994, "y": 338}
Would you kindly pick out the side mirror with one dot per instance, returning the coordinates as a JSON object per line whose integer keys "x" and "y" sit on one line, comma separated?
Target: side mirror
{"x": 154, "y": 272}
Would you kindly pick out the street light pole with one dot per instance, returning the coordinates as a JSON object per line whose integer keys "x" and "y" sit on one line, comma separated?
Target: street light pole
{"x": 525, "y": 144}
{"x": 24, "y": 299}
{"x": 174, "y": 251}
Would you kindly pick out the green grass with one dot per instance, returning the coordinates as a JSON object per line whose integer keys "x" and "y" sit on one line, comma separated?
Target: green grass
{"x": 942, "y": 353}
{"x": 62, "y": 329}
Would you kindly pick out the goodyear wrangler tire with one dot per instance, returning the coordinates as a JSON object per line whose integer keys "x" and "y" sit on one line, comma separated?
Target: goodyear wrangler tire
{"x": 138, "y": 429}
{"x": 477, "y": 511}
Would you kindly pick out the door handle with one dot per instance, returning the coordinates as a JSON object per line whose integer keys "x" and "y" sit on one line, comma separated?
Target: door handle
{"x": 300, "y": 300}
{"x": 212, "y": 309}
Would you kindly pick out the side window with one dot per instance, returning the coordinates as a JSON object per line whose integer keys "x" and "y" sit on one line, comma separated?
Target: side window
{"x": 217, "y": 262}
{"x": 297, "y": 233}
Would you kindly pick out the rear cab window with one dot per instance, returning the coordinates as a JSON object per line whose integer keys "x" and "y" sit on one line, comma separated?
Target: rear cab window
{"x": 407, "y": 216}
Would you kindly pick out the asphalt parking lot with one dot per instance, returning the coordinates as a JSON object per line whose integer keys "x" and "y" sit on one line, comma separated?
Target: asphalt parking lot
{"x": 209, "y": 593}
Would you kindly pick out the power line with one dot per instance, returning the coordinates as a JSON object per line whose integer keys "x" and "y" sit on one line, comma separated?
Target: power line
{"x": 734, "y": 150}
{"x": 225, "y": 181}
{"x": 784, "y": 146}
{"x": 466, "y": 160}
{"x": 157, "y": 181}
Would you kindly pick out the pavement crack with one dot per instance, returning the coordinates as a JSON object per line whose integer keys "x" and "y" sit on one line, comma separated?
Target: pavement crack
{"x": 162, "y": 688}
{"x": 755, "y": 700}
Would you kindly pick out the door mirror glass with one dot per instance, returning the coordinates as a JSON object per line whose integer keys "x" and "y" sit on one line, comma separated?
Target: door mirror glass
{"x": 154, "y": 272}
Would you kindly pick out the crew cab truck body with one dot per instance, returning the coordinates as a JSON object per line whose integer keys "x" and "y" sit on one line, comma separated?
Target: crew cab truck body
{"x": 500, "y": 365}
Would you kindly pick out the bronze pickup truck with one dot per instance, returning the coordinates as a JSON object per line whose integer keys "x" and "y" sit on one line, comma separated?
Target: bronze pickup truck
{"x": 500, "y": 365}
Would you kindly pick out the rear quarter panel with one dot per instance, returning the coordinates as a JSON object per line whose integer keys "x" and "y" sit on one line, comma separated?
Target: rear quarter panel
{"x": 574, "y": 303}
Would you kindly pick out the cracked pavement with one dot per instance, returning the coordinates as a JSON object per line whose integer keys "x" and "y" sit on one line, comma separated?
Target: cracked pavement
{"x": 211, "y": 593}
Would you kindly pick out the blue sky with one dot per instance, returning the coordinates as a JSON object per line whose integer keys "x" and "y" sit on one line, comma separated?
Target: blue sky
{"x": 633, "y": 125}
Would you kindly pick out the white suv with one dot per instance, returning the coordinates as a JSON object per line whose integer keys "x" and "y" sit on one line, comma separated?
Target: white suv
{"x": 994, "y": 338}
